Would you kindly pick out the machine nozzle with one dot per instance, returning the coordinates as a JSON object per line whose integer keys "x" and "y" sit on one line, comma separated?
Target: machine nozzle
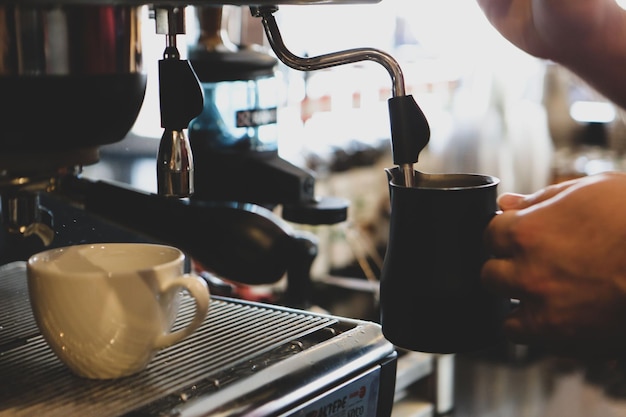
{"x": 175, "y": 165}
{"x": 182, "y": 99}
{"x": 22, "y": 214}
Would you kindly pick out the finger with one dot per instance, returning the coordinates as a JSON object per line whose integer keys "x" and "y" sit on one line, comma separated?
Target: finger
{"x": 511, "y": 201}
{"x": 498, "y": 236}
{"x": 525, "y": 325}
{"x": 500, "y": 276}
{"x": 547, "y": 193}
{"x": 516, "y": 327}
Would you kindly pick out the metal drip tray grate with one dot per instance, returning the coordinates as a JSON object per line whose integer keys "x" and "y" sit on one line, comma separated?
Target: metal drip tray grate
{"x": 238, "y": 340}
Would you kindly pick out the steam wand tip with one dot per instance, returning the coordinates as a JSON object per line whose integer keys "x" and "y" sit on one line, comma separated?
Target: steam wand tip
{"x": 410, "y": 134}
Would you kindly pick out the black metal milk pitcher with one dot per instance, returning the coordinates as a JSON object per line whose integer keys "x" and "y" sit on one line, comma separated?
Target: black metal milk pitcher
{"x": 431, "y": 296}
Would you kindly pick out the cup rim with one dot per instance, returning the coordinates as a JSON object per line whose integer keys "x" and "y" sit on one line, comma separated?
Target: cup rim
{"x": 38, "y": 260}
{"x": 443, "y": 181}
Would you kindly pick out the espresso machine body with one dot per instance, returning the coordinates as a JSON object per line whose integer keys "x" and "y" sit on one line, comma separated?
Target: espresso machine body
{"x": 72, "y": 80}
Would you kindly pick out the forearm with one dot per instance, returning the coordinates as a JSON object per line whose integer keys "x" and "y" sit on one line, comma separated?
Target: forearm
{"x": 601, "y": 59}
{"x": 586, "y": 36}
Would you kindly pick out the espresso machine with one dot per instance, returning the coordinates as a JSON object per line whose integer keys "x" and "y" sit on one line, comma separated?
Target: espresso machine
{"x": 71, "y": 81}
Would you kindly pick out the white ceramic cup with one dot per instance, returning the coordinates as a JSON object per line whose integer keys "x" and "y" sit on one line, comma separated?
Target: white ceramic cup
{"x": 106, "y": 309}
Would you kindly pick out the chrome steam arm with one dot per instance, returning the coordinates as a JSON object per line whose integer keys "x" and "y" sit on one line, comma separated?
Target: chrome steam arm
{"x": 409, "y": 128}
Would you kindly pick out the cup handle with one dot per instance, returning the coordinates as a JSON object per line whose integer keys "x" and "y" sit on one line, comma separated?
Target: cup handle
{"x": 199, "y": 290}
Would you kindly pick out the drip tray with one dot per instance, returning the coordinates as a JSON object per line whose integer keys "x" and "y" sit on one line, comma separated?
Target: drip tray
{"x": 246, "y": 359}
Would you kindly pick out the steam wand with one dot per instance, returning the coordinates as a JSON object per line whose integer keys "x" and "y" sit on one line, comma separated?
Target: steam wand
{"x": 409, "y": 128}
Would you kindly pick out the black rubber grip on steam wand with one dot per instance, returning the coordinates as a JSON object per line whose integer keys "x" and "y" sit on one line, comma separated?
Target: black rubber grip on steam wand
{"x": 409, "y": 129}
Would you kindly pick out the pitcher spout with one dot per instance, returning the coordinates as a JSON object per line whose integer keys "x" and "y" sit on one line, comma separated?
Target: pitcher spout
{"x": 395, "y": 176}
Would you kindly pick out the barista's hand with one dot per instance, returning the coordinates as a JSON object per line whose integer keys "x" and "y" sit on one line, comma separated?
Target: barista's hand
{"x": 587, "y": 36}
{"x": 562, "y": 253}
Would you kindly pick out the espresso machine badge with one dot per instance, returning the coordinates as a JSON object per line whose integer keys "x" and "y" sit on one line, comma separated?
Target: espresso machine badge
{"x": 354, "y": 400}
{"x": 256, "y": 117}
